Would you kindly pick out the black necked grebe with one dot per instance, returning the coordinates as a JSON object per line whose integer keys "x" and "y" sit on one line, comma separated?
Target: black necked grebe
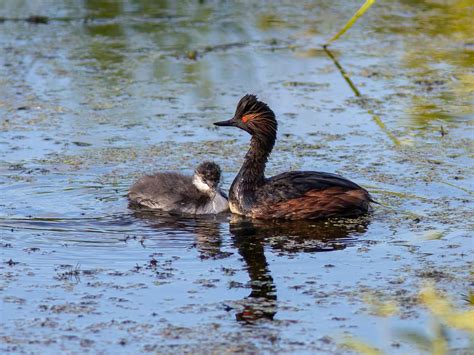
{"x": 177, "y": 193}
{"x": 291, "y": 195}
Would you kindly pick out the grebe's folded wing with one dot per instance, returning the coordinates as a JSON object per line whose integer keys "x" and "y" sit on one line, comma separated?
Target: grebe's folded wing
{"x": 295, "y": 184}
{"x": 309, "y": 195}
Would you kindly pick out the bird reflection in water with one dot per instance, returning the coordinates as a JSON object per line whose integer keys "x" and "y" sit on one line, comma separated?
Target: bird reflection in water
{"x": 261, "y": 303}
{"x": 250, "y": 237}
{"x": 205, "y": 229}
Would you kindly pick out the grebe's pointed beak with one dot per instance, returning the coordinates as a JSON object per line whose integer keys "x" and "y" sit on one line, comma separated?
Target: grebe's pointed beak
{"x": 230, "y": 122}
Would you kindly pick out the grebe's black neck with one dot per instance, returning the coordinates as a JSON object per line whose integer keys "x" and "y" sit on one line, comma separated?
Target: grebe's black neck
{"x": 252, "y": 172}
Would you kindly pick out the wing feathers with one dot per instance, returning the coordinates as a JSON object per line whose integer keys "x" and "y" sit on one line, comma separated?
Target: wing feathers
{"x": 329, "y": 202}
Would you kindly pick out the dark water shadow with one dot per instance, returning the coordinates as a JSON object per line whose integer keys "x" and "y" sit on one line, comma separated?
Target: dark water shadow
{"x": 250, "y": 237}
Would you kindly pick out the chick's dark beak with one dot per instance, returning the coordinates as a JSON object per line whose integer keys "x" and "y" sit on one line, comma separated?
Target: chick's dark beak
{"x": 231, "y": 122}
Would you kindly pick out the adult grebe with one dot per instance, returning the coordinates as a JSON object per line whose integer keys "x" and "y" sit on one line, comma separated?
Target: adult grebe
{"x": 177, "y": 193}
{"x": 291, "y": 195}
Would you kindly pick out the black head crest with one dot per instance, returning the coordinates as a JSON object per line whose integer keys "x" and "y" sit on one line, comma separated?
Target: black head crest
{"x": 249, "y": 104}
{"x": 256, "y": 118}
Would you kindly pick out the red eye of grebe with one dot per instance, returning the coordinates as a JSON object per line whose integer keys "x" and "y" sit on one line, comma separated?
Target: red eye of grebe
{"x": 249, "y": 117}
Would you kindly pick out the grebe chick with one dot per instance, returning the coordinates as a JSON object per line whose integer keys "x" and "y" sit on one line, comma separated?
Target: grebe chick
{"x": 291, "y": 195}
{"x": 177, "y": 193}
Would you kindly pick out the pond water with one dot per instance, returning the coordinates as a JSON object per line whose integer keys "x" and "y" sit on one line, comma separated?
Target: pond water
{"x": 96, "y": 93}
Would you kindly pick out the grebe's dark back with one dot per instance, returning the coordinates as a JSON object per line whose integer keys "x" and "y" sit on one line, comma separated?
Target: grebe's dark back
{"x": 291, "y": 195}
{"x": 177, "y": 193}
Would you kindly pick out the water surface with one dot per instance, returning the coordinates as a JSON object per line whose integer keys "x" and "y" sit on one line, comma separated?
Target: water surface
{"x": 106, "y": 91}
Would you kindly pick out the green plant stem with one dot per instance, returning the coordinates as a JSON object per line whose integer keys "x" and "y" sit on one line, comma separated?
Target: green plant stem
{"x": 351, "y": 21}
